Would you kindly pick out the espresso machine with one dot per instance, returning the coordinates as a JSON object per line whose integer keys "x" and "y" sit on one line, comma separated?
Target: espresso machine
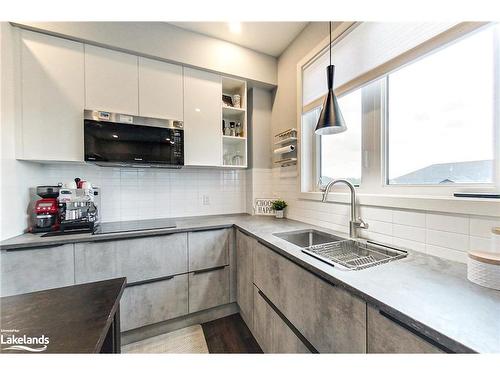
{"x": 79, "y": 209}
{"x": 46, "y": 217}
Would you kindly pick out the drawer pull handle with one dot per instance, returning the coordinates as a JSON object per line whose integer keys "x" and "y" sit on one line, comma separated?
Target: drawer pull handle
{"x": 209, "y": 270}
{"x": 415, "y": 332}
{"x": 149, "y": 281}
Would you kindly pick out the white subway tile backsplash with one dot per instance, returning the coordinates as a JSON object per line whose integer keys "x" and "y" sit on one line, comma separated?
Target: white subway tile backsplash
{"x": 377, "y": 237}
{"x": 448, "y": 223}
{"x": 411, "y": 218}
{"x": 375, "y": 213}
{"x": 381, "y": 227}
{"x": 408, "y": 244}
{"x": 132, "y": 194}
{"x": 449, "y": 240}
{"x": 481, "y": 227}
{"x": 409, "y": 232}
{"x": 446, "y": 253}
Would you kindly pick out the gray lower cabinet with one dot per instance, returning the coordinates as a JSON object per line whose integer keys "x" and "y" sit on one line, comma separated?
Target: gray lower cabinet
{"x": 24, "y": 271}
{"x": 136, "y": 259}
{"x": 329, "y": 317}
{"x": 154, "y": 302}
{"x": 271, "y": 332}
{"x": 208, "y": 249}
{"x": 244, "y": 276}
{"x": 387, "y": 336}
{"x": 208, "y": 289}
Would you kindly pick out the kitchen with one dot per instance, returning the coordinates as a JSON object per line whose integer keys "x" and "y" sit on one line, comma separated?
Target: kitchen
{"x": 250, "y": 187}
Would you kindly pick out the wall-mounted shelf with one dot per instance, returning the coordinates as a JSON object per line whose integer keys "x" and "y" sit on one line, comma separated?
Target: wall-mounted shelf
{"x": 285, "y": 140}
{"x": 286, "y": 147}
{"x": 286, "y": 162}
{"x": 232, "y": 111}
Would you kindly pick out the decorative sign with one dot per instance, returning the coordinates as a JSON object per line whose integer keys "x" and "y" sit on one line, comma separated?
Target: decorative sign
{"x": 263, "y": 206}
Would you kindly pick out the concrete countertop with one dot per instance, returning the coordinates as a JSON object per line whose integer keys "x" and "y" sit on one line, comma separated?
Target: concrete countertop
{"x": 430, "y": 294}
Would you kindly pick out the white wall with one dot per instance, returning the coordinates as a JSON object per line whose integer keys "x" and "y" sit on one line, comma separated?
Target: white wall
{"x": 164, "y": 41}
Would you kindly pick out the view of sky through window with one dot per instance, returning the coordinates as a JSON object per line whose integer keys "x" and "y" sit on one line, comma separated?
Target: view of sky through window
{"x": 440, "y": 115}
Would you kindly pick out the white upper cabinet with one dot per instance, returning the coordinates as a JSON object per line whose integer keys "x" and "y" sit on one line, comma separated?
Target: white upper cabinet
{"x": 202, "y": 118}
{"x": 52, "y": 90}
{"x": 160, "y": 89}
{"x": 111, "y": 81}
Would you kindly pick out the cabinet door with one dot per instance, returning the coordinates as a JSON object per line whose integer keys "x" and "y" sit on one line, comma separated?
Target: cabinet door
{"x": 202, "y": 118}
{"x": 244, "y": 276}
{"x": 52, "y": 98}
{"x": 155, "y": 302}
{"x": 208, "y": 249}
{"x": 386, "y": 336}
{"x": 330, "y": 318}
{"x": 136, "y": 259}
{"x": 111, "y": 81}
{"x": 160, "y": 89}
{"x": 208, "y": 289}
{"x": 25, "y": 271}
{"x": 271, "y": 332}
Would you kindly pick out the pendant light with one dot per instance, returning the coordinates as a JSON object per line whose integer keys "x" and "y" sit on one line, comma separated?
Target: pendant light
{"x": 330, "y": 120}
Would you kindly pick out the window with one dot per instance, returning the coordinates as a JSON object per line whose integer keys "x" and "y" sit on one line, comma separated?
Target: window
{"x": 441, "y": 115}
{"x": 341, "y": 154}
{"x": 418, "y": 123}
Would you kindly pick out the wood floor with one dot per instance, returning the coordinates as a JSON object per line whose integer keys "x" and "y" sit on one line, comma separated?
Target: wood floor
{"x": 230, "y": 335}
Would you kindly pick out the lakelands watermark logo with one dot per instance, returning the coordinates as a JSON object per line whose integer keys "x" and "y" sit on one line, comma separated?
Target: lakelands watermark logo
{"x": 17, "y": 342}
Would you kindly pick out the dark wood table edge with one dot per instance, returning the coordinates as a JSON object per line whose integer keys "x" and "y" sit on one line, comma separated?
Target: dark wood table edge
{"x": 111, "y": 334}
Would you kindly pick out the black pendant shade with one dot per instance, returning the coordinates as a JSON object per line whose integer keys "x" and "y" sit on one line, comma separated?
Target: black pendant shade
{"x": 330, "y": 120}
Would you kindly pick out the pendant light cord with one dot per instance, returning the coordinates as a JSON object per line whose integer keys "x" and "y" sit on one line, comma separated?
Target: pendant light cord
{"x": 330, "y": 24}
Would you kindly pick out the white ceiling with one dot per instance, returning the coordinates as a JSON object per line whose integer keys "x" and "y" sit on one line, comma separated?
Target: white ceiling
{"x": 267, "y": 37}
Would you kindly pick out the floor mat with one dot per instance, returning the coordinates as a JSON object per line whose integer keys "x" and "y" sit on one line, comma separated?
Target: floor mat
{"x": 189, "y": 340}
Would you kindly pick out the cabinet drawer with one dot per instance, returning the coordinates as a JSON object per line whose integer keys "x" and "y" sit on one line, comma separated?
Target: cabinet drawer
{"x": 208, "y": 249}
{"x": 330, "y": 318}
{"x": 386, "y": 336}
{"x": 271, "y": 332}
{"x": 136, "y": 259}
{"x": 154, "y": 302}
{"x": 24, "y": 271}
{"x": 208, "y": 289}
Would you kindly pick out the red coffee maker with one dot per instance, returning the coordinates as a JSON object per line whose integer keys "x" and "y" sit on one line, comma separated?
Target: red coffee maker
{"x": 46, "y": 212}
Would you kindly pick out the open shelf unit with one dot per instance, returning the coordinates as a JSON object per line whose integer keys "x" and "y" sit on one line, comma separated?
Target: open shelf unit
{"x": 234, "y": 145}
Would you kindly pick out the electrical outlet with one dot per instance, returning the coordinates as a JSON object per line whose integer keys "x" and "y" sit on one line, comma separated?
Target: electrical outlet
{"x": 206, "y": 200}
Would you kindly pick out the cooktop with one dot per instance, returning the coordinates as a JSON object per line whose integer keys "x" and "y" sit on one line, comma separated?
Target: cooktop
{"x": 134, "y": 225}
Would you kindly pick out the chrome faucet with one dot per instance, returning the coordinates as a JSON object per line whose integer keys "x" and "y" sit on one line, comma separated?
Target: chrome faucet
{"x": 356, "y": 222}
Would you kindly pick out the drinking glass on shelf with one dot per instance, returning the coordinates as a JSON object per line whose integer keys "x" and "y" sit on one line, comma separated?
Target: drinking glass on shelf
{"x": 237, "y": 158}
{"x": 227, "y": 158}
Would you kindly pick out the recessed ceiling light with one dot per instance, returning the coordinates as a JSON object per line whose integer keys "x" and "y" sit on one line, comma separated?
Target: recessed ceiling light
{"x": 115, "y": 136}
{"x": 197, "y": 109}
{"x": 235, "y": 27}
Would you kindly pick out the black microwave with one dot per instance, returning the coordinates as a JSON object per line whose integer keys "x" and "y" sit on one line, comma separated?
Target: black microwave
{"x": 115, "y": 139}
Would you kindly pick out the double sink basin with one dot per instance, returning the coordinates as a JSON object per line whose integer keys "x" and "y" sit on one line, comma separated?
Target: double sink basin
{"x": 340, "y": 252}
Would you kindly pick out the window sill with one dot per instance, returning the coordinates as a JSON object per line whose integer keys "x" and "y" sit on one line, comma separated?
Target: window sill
{"x": 464, "y": 206}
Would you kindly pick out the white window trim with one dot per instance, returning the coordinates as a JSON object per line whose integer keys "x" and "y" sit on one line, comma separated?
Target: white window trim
{"x": 374, "y": 191}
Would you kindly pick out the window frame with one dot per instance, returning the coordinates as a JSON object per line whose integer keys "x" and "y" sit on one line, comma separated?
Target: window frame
{"x": 374, "y": 186}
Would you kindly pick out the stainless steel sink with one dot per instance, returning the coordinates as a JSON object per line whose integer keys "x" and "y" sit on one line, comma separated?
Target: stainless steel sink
{"x": 340, "y": 252}
{"x": 309, "y": 237}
